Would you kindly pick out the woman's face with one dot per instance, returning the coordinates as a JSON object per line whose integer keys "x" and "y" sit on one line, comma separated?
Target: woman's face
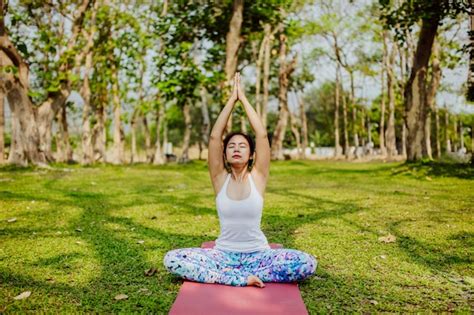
{"x": 237, "y": 150}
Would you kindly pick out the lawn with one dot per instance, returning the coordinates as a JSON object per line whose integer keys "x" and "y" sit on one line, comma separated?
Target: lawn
{"x": 84, "y": 235}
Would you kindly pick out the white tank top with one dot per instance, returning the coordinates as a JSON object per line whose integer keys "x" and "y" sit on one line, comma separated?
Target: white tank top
{"x": 240, "y": 221}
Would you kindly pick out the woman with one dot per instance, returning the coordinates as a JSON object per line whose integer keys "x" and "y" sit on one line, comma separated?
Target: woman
{"x": 241, "y": 255}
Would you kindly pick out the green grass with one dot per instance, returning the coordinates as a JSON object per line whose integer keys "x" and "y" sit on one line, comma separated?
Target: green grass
{"x": 74, "y": 244}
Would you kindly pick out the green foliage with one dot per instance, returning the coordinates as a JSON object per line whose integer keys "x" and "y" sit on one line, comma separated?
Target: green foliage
{"x": 402, "y": 18}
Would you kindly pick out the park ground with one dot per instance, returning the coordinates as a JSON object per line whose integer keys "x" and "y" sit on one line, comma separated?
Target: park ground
{"x": 388, "y": 236}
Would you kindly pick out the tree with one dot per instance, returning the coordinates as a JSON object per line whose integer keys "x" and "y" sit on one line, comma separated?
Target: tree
{"x": 14, "y": 83}
{"x": 285, "y": 71}
{"x": 431, "y": 14}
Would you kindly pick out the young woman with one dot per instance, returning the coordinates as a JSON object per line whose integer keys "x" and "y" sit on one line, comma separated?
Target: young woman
{"x": 239, "y": 174}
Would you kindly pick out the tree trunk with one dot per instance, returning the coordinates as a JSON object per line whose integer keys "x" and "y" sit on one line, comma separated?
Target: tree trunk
{"x": 455, "y": 134}
{"x": 45, "y": 117}
{"x": 25, "y": 142}
{"x": 383, "y": 149}
{"x": 165, "y": 135}
{"x": 391, "y": 144}
{"x": 118, "y": 149}
{"x": 206, "y": 120}
{"x": 2, "y": 127}
{"x": 146, "y": 132}
{"x": 258, "y": 73}
{"x": 25, "y": 135}
{"x": 296, "y": 134}
{"x": 63, "y": 147}
{"x": 304, "y": 126}
{"x": 99, "y": 136}
{"x": 415, "y": 89}
{"x": 266, "y": 74}
{"x": 355, "y": 135}
{"x": 337, "y": 145}
{"x": 86, "y": 139}
{"x": 344, "y": 123}
{"x": 187, "y": 132}
{"x": 280, "y": 129}
{"x": 133, "y": 133}
{"x": 472, "y": 143}
{"x": 446, "y": 132}
{"x": 362, "y": 125}
{"x": 470, "y": 80}
{"x": 233, "y": 42}
{"x": 158, "y": 158}
{"x": 404, "y": 140}
{"x": 431, "y": 98}
{"x": 438, "y": 141}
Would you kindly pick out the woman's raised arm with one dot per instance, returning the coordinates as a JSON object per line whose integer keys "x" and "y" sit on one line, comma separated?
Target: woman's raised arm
{"x": 215, "y": 150}
{"x": 262, "y": 150}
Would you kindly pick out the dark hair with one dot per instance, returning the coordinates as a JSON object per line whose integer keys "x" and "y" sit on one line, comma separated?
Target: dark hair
{"x": 249, "y": 140}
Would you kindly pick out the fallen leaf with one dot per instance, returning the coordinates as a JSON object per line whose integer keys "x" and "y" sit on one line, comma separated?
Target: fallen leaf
{"x": 78, "y": 230}
{"x": 428, "y": 178}
{"x": 387, "y": 239}
{"x": 150, "y": 272}
{"x": 140, "y": 241}
{"x": 374, "y": 302}
{"x": 78, "y": 242}
{"x": 121, "y": 297}
{"x": 383, "y": 256}
{"x": 11, "y": 220}
{"x": 468, "y": 280}
{"x": 144, "y": 291}
{"x": 23, "y": 295}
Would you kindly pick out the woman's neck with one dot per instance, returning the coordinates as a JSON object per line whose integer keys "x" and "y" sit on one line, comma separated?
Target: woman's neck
{"x": 239, "y": 172}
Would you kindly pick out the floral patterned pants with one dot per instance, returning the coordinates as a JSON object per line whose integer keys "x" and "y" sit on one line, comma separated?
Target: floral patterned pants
{"x": 209, "y": 265}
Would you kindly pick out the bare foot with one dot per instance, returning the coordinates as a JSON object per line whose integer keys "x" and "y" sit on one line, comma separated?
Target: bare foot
{"x": 254, "y": 280}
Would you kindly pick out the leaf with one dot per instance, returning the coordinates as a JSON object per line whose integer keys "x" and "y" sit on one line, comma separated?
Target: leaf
{"x": 121, "y": 297}
{"x": 23, "y": 295}
{"x": 150, "y": 272}
{"x": 387, "y": 239}
{"x": 140, "y": 241}
{"x": 11, "y": 220}
{"x": 374, "y": 302}
{"x": 144, "y": 291}
{"x": 468, "y": 280}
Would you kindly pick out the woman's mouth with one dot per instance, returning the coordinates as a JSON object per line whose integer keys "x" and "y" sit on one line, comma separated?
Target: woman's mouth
{"x": 236, "y": 156}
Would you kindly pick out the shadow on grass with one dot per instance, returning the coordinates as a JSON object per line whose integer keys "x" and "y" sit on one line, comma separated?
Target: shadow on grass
{"x": 436, "y": 169}
{"x": 428, "y": 255}
{"x": 122, "y": 260}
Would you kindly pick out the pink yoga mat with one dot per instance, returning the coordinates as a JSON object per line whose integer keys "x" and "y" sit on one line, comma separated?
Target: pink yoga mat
{"x": 210, "y": 298}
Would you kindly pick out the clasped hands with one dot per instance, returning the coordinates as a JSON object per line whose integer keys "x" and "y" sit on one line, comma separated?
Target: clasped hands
{"x": 237, "y": 91}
